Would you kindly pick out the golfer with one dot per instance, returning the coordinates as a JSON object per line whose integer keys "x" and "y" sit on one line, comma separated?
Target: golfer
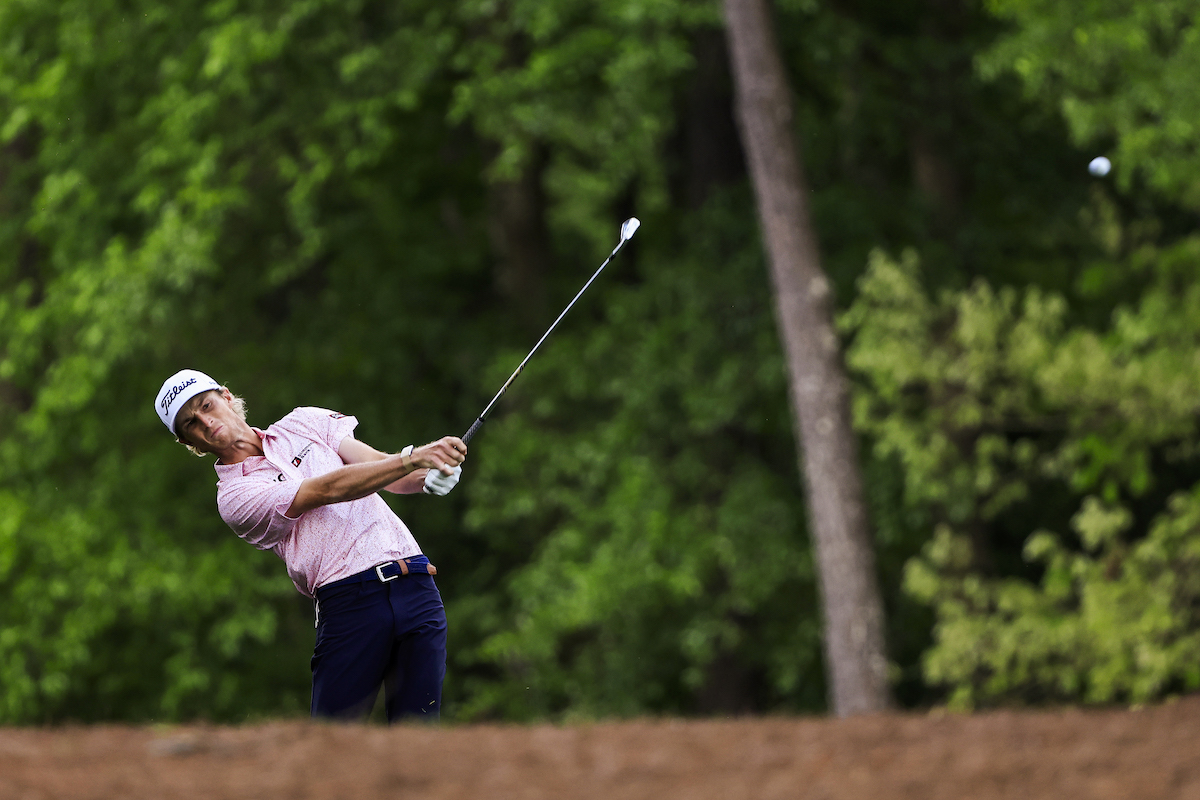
{"x": 306, "y": 490}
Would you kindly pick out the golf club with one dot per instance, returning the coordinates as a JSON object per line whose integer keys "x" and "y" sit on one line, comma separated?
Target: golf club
{"x": 628, "y": 228}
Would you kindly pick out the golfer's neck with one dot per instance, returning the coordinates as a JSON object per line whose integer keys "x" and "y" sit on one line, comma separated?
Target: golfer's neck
{"x": 241, "y": 449}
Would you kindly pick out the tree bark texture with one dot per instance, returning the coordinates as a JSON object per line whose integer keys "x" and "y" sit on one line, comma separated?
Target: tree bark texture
{"x": 855, "y": 652}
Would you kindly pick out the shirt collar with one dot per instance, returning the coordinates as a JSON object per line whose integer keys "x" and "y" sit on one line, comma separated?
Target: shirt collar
{"x": 234, "y": 470}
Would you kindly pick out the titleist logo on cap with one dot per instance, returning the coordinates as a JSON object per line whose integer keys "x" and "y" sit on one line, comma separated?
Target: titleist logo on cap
{"x": 175, "y": 392}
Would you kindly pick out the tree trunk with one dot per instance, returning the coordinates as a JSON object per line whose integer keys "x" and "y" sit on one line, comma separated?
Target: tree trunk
{"x": 518, "y": 235}
{"x": 855, "y": 653}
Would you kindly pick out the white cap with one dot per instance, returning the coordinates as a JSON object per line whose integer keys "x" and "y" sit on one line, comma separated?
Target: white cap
{"x": 177, "y": 390}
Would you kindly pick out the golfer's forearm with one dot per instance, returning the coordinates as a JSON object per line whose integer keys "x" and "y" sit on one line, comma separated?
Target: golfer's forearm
{"x": 350, "y": 482}
{"x": 353, "y": 451}
{"x": 412, "y": 483}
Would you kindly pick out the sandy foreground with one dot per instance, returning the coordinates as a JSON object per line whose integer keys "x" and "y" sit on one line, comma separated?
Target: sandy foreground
{"x": 1109, "y": 754}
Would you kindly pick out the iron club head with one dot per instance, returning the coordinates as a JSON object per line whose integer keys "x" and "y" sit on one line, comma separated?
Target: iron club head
{"x": 629, "y": 227}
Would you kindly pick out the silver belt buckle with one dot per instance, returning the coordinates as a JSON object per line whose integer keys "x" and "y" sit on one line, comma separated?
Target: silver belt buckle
{"x": 379, "y": 572}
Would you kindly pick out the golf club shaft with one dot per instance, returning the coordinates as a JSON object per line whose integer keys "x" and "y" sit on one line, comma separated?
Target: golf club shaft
{"x": 466, "y": 437}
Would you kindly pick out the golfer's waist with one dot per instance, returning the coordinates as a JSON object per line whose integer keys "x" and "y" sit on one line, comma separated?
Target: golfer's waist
{"x": 384, "y": 572}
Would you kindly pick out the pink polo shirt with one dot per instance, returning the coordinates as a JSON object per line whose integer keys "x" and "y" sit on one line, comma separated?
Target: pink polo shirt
{"x": 328, "y": 542}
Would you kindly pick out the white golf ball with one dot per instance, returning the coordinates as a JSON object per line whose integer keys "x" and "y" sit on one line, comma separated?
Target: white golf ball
{"x": 1099, "y": 166}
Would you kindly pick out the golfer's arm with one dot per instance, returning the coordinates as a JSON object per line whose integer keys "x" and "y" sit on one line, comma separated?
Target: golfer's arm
{"x": 349, "y": 483}
{"x": 353, "y": 451}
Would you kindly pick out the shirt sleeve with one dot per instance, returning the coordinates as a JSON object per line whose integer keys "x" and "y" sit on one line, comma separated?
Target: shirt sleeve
{"x": 256, "y": 510}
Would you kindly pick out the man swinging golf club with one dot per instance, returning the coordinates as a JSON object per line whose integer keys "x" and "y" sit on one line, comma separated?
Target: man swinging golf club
{"x": 306, "y": 489}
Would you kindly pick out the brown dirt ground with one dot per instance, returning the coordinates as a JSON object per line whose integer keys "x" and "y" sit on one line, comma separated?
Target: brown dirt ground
{"x": 1106, "y": 754}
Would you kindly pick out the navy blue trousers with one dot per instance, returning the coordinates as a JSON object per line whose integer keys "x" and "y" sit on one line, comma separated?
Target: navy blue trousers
{"x": 371, "y": 633}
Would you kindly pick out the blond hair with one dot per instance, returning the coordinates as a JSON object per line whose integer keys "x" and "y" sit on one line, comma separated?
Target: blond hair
{"x": 236, "y": 403}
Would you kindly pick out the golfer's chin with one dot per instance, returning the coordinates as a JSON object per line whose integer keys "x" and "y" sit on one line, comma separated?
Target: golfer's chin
{"x": 218, "y": 441}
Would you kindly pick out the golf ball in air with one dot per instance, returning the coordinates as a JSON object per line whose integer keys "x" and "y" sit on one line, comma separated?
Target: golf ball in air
{"x": 1099, "y": 166}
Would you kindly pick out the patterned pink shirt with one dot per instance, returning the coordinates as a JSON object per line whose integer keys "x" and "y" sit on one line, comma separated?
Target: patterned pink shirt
{"x": 328, "y": 542}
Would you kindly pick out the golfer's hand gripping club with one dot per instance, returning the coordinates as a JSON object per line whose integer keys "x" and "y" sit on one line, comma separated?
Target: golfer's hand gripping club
{"x": 439, "y": 484}
{"x": 442, "y": 457}
{"x": 628, "y": 228}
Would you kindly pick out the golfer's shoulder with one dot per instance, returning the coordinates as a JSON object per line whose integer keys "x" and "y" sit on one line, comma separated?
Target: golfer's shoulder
{"x": 315, "y": 422}
{"x": 306, "y": 416}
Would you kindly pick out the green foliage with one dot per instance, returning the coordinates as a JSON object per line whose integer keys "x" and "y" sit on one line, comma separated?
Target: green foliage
{"x": 1014, "y": 424}
{"x": 167, "y": 185}
{"x": 589, "y": 84}
{"x": 905, "y": 146}
{"x": 1115, "y": 622}
{"x": 297, "y": 197}
{"x": 659, "y": 555}
{"x": 992, "y": 402}
{"x": 271, "y": 192}
{"x": 1122, "y": 74}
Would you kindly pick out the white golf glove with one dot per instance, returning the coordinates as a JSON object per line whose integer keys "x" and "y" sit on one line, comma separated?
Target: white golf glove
{"x": 437, "y": 483}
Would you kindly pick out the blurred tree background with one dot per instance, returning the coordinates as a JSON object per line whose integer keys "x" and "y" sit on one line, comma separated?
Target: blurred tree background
{"x": 378, "y": 207}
